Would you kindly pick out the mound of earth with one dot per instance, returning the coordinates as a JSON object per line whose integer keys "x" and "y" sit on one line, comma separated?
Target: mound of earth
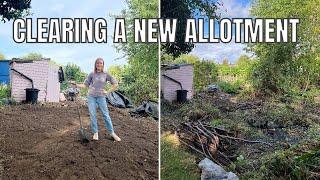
{"x": 42, "y": 142}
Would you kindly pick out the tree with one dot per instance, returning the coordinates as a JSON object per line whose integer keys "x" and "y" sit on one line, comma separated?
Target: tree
{"x": 205, "y": 71}
{"x": 32, "y": 56}
{"x": 140, "y": 77}
{"x": 244, "y": 64}
{"x": 116, "y": 71}
{"x": 166, "y": 58}
{"x": 74, "y": 73}
{"x": 183, "y": 10}
{"x": 188, "y": 59}
{"x": 12, "y": 9}
{"x": 177, "y": 9}
{"x": 283, "y": 67}
{"x": 243, "y": 61}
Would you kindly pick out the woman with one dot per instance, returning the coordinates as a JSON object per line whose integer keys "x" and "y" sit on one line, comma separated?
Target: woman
{"x": 96, "y": 82}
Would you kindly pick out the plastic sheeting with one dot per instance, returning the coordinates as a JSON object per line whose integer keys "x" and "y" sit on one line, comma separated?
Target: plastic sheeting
{"x": 71, "y": 93}
{"x": 118, "y": 100}
{"x": 212, "y": 171}
{"x": 147, "y": 108}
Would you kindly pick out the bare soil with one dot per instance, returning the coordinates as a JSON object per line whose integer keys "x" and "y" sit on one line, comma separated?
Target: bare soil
{"x": 42, "y": 142}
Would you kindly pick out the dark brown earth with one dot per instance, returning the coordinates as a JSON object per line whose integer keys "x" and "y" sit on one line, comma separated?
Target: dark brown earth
{"x": 42, "y": 142}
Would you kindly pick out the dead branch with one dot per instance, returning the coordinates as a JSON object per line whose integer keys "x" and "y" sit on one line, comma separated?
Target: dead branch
{"x": 233, "y": 138}
{"x": 193, "y": 148}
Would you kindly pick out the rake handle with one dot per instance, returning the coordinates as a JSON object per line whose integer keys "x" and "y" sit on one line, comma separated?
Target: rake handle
{"x": 79, "y": 117}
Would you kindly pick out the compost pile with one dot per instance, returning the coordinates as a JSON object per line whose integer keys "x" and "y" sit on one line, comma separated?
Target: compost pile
{"x": 42, "y": 142}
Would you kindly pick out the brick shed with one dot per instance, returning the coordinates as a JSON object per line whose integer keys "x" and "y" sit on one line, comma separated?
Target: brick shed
{"x": 182, "y": 73}
{"x": 44, "y": 75}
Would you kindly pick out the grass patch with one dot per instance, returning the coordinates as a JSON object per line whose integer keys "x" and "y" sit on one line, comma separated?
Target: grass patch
{"x": 176, "y": 163}
{"x": 217, "y": 122}
{"x": 231, "y": 88}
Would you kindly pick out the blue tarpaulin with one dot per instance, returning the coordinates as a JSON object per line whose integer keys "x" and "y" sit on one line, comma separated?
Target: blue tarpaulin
{"x": 4, "y": 72}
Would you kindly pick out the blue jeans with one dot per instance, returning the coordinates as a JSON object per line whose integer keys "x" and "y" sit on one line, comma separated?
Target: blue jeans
{"x": 102, "y": 103}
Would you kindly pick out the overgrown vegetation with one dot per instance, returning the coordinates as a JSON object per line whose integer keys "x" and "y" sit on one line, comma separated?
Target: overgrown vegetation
{"x": 227, "y": 87}
{"x": 5, "y": 94}
{"x": 292, "y": 128}
{"x": 73, "y": 73}
{"x": 301, "y": 161}
{"x": 139, "y": 79}
{"x": 230, "y": 78}
{"x": 4, "y": 91}
{"x": 272, "y": 96}
{"x": 288, "y": 68}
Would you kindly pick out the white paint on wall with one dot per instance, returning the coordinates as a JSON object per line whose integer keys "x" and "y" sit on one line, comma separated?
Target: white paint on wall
{"x": 44, "y": 78}
{"x": 53, "y": 85}
{"x": 184, "y": 75}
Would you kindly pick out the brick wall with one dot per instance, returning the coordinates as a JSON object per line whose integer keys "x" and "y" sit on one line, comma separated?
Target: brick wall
{"x": 184, "y": 75}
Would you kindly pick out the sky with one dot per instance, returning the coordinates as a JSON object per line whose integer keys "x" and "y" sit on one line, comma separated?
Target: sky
{"x": 83, "y": 54}
{"x": 220, "y": 51}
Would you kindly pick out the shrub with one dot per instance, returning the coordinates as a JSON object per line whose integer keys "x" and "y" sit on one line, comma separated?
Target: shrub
{"x": 205, "y": 73}
{"x": 4, "y": 91}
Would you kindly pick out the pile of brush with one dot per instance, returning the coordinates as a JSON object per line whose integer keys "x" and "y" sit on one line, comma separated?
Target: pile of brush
{"x": 212, "y": 142}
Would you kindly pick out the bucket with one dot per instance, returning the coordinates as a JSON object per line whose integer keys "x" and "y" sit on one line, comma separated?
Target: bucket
{"x": 182, "y": 96}
{"x": 32, "y": 95}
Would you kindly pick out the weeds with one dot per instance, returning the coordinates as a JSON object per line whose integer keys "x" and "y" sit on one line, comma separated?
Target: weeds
{"x": 4, "y": 91}
{"x": 231, "y": 88}
{"x": 292, "y": 163}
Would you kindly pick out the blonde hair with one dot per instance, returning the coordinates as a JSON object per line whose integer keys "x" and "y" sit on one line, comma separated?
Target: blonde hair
{"x": 95, "y": 64}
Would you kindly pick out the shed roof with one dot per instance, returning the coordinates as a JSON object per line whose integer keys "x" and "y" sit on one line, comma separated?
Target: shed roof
{"x": 18, "y": 60}
{"x": 173, "y": 66}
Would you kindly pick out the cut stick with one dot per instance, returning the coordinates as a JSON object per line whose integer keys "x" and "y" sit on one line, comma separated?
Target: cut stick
{"x": 195, "y": 149}
{"x": 202, "y": 145}
{"x": 234, "y": 138}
